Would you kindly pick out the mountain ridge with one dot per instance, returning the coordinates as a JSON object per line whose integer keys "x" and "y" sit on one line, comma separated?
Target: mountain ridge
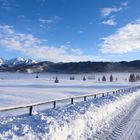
{"x": 16, "y": 61}
{"x": 31, "y": 66}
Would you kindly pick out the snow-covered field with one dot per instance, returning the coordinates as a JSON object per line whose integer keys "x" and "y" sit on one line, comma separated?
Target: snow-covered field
{"x": 93, "y": 119}
{"x": 17, "y": 89}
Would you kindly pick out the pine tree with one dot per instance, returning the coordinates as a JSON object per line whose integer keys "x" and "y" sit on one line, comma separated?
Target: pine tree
{"x": 132, "y": 78}
{"x": 137, "y": 77}
{"x": 104, "y": 78}
{"x": 72, "y": 78}
{"x": 111, "y": 78}
{"x": 84, "y": 78}
{"x": 56, "y": 80}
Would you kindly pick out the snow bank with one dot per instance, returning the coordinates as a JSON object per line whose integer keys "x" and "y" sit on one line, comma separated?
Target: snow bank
{"x": 81, "y": 121}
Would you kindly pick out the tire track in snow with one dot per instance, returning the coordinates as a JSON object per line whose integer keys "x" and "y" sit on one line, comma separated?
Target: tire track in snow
{"x": 138, "y": 133}
{"x": 133, "y": 133}
{"x": 128, "y": 128}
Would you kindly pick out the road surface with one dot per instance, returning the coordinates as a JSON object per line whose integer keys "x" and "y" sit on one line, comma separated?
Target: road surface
{"x": 129, "y": 127}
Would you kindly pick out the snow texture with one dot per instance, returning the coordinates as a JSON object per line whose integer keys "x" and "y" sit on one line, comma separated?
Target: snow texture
{"x": 94, "y": 119}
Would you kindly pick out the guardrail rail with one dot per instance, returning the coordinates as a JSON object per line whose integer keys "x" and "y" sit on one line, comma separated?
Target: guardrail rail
{"x": 30, "y": 106}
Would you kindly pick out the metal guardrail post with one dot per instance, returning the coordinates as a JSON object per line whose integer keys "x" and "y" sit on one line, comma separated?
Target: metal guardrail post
{"x": 30, "y": 110}
{"x": 71, "y": 100}
{"x": 85, "y": 98}
{"x": 54, "y": 104}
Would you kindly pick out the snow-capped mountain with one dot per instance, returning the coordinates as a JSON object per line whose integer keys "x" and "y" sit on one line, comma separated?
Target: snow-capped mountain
{"x": 16, "y": 61}
{"x": 30, "y": 61}
{"x": 1, "y": 61}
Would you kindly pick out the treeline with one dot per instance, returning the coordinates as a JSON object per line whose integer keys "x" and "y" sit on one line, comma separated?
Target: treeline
{"x": 134, "y": 77}
{"x": 111, "y": 79}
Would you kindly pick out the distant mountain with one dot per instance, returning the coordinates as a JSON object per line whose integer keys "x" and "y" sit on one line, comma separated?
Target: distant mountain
{"x": 31, "y": 66}
{"x": 1, "y": 61}
{"x": 16, "y": 61}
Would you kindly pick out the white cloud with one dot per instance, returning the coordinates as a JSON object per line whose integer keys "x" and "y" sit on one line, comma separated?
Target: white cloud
{"x": 47, "y": 23}
{"x": 124, "y": 4}
{"x": 110, "y": 22}
{"x": 8, "y": 5}
{"x": 107, "y": 11}
{"x": 124, "y": 40}
{"x": 60, "y": 54}
{"x": 35, "y": 48}
{"x": 12, "y": 40}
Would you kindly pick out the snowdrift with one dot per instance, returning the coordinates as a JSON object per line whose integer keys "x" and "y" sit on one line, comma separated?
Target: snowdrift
{"x": 93, "y": 119}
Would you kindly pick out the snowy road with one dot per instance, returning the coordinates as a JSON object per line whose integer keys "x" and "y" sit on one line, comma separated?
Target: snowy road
{"x": 129, "y": 127}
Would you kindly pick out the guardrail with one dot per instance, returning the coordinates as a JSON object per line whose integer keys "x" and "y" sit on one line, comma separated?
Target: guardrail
{"x": 30, "y": 106}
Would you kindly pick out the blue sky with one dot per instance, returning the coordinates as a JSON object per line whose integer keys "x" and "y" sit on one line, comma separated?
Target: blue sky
{"x": 70, "y": 30}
